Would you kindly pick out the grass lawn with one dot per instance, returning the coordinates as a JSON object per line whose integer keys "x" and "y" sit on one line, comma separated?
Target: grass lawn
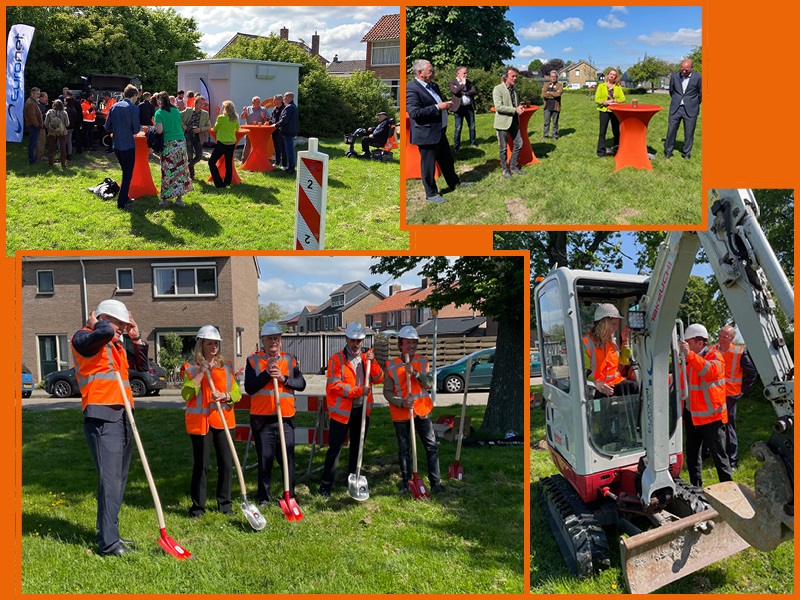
{"x": 48, "y": 209}
{"x": 467, "y": 540}
{"x": 749, "y": 572}
{"x": 569, "y": 185}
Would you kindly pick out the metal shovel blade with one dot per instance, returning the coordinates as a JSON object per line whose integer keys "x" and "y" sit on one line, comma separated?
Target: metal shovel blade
{"x": 357, "y": 487}
{"x": 417, "y": 487}
{"x": 455, "y": 471}
{"x": 290, "y": 508}
{"x": 253, "y": 515}
{"x": 172, "y": 547}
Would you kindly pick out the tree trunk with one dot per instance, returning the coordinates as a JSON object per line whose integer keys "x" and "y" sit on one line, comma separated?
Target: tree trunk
{"x": 506, "y": 404}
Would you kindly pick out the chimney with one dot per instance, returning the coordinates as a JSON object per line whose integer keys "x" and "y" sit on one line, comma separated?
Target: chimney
{"x": 393, "y": 289}
{"x": 284, "y": 33}
{"x": 315, "y": 44}
{"x": 425, "y": 282}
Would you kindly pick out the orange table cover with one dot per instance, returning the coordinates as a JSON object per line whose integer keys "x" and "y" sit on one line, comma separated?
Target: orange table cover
{"x": 633, "y": 120}
{"x": 261, "y": 147}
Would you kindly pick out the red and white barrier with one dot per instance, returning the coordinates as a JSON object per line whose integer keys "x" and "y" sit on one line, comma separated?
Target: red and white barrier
{"x": 311, "y": 198}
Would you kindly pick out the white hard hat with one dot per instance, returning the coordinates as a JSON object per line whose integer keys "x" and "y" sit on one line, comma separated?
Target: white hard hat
{"x": 606, "y": 310}
{"x": 355, "y": 331}
{"x": 271, "y": 328}
{"x": 209, "y": 332}
{"x": 695, "y": 330}
{"x": 408, "y": 332}
{"x": 113, "y": 308}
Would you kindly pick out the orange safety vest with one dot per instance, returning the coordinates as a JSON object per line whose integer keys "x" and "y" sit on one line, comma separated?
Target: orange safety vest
{"x": 422, "y": 401}
{"x": 602, "y": 362}
{"x": 190, "y": 102}
{"x": 107, "y": 107}
{"x": 201, "y": 413}
{"x": 96, "y": 375}
{"x": 706, "y": 375}
{"x": 89, "y": 113}
{"x": 733, "y": 369}
{"x": 340, "y": 388}
{"x": 263, "y": 401}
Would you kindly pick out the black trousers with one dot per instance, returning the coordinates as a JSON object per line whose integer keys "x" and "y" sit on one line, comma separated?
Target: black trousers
{"x": 424, "y": 429}
{"x": 220, "y": 150}
{"x": 689, "y": 124}
{"x": 429, "y": 155}
{"x": 111, "y": 444}
{"x": 88, "y": 135}
{"x": 732, "y": 441}
{"x": 336, "y": 437}
{"x": 194, "y": 148}
{"x": 201, "y": 450}
{"x": 127, "y": 159}
{"x": 713, "y": 436}
{"x": 605, "y": 118}
{"x": 268, "y": 448}
{"x": 280, "y": 150}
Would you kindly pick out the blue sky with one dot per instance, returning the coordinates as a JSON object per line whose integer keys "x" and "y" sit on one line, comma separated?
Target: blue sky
{"x": 340, "y": 28}
{"x": 610, "y": 35}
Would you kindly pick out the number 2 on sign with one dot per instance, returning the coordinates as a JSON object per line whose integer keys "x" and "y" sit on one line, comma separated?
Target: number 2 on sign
{"x": 310, "y": 184}
{"x": 308, "y": 239}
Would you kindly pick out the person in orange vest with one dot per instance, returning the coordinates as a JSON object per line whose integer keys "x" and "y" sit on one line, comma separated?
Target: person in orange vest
{"x": 602, "y": 359}
{"x": 99, "y": 356}
{"x": 203, "y": 423}
{"x": 740, "y": 373}
{"x": 706, "y": 415}
{"x": 89, "y": 117}
{"x": 344, "y": 395}
{"x": 262, "y": 367}
{"x": 401, "y": 399}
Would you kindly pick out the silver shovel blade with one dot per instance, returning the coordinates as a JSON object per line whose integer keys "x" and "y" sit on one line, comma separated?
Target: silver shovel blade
{"x": 253, "y": 516}
{"x": 357, "y": 487}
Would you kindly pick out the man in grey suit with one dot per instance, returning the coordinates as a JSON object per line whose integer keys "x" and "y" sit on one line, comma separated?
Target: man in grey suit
{"x": 686, "y": 90}
{"x": 427, "y": 111}
{"x": 506, "y": 121}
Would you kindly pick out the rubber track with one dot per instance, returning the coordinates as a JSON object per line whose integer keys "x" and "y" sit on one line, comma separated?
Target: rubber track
{"x": 690, "y": 495}
{"x": 577, "y": 531}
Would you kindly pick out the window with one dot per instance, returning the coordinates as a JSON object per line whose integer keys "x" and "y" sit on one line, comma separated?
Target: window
{"x": 390, "y": 319}
{"x": 555, "y": 359}
{"x": 124, "y": 280}
{"x": 424, "y": 314}
{"x": 577, "y": 72}
{"x": 385, "y": 53}
{"x": 394, "y": 90}
{"x": 337, "y": 300}
{"x": 239, "y": 331}
{"x": 185, "y": 280}
{"x": 405, "y": 317}
{"x": 44, "y": 282}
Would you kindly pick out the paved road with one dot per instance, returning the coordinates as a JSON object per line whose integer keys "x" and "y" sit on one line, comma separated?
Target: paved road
{"x": 171, "y": 398}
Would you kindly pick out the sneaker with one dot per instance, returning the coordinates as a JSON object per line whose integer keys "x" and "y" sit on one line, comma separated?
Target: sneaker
{"x": 404, "y": 488}
{"x": 163, "y": 203}
{"x": 517, "y": 171}
{"x": 506, "y": 174}
{"x": 437, "y": 199}
{"x": 325, "y": 492}
{"x": 265, "y": 502}
{"x": 180, "y": 202}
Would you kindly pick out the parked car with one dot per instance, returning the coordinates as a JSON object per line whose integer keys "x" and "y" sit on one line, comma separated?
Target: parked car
{"x": 450, "y": 378}
{"x": 536, "y": 365}
{"x": 27, "y": 382}
{"x": 63, "y": 384}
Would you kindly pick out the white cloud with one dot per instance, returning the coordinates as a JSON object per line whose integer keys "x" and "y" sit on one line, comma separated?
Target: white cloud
{"x": 531, "y": 52}
{"x": 611, "y": 22}
{"x": 684, "y": 37}
{"x": 568, "y": 49}
{"x": 544, "y": 29}
{"x": 621, "y": 9}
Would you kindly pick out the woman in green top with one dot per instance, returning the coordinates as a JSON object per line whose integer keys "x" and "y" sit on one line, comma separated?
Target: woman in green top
{"x": 225, "y": 129}
{"x": 175, "y": 180}
{"x": 608, "y": 93}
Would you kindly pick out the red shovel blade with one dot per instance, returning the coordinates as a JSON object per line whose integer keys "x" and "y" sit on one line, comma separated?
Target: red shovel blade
{"x": 417, "y": 487}
{"x": 170, "y": 546}
{"x": 290, "y": 508}
{"x": 455, "y": 471}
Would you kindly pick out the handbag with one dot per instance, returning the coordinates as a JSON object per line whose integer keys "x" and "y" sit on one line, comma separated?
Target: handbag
{"x": 155, "y": 140}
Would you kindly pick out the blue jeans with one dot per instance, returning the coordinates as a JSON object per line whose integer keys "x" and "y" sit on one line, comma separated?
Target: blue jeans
{"x": 33, "y": 139}
{"x": 288, "y": 144}
{"x": 459, "y": 121}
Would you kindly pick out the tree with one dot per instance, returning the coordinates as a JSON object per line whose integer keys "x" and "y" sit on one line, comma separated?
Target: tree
{"x": 170, "y": 355}
{"x": 553, "y": 64}
{"x": 494, "y": 286}
{"x": 696, "y": 56}
{"x": 535, "y": 65}
{"x": 75, "y": 41}
{"x": 608, "y": 69}
{"x": 273, "y": 47}
{"x": 270, "y": 312}
{"x": 475, "y": 36}
{"x": 650, "y": 69}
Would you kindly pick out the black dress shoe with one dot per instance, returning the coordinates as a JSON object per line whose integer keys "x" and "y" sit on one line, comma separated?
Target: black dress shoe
{"x": 127, "y": 206}
{"x": 118, "y": 550}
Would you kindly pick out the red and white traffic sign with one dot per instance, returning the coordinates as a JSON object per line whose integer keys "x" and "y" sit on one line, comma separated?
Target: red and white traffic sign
{"x": 312, "y": 197}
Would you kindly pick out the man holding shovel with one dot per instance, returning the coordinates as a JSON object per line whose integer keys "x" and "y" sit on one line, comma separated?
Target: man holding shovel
{"x": 99, "y": 356}
{"x": 402, "y": 398}
{"x": 344, "y": 391}
{"x": 262, "y": 367}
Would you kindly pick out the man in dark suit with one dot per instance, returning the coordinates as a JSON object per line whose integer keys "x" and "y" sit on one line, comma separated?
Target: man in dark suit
{"x": 427, "y": 112}
{"x": 686, "y": 90}
{"x": 463, "y": 98}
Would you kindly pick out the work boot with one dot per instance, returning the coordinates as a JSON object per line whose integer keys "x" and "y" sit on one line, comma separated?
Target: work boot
{"x": 325, "y": 490}
{"x": 403, "y": 488}
{"x": 437, "y": 488}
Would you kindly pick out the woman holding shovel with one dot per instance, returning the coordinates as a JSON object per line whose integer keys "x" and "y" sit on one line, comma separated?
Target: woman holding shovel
{"x": 407, "y": 388}
{"x": 203, "y": 422}
{"x": 345, "y": 397}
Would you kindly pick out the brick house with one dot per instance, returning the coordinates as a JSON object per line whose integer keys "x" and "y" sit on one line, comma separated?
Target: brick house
{"x": 164, "y": 294}
{"x": 345, "y": 68}
{"x": 383, "y": 53}
{"x": 580, "y": 73}
{"x": 349, "y": 302}
{"x": 296, "y": 323}
{"x": 313, "y": 49}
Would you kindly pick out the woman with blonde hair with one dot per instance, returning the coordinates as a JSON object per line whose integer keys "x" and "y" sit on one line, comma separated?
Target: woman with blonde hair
{"x": 225, "y": 128}
{"x": 608, "y": 93}
{"x": 203, "y": 422}
{"x": 602, "y": 358}
{"x": 175, "y": 180}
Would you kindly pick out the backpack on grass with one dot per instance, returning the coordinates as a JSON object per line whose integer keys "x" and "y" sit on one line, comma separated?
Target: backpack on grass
{"x": 53, "y": 124}
{"x": 106, "y": 189}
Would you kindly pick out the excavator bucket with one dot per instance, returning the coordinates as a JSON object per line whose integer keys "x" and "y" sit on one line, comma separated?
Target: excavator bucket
{"x": 659, "y": 556}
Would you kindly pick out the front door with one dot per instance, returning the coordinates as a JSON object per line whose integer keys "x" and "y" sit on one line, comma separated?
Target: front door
{"x": 52, "y": 354}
